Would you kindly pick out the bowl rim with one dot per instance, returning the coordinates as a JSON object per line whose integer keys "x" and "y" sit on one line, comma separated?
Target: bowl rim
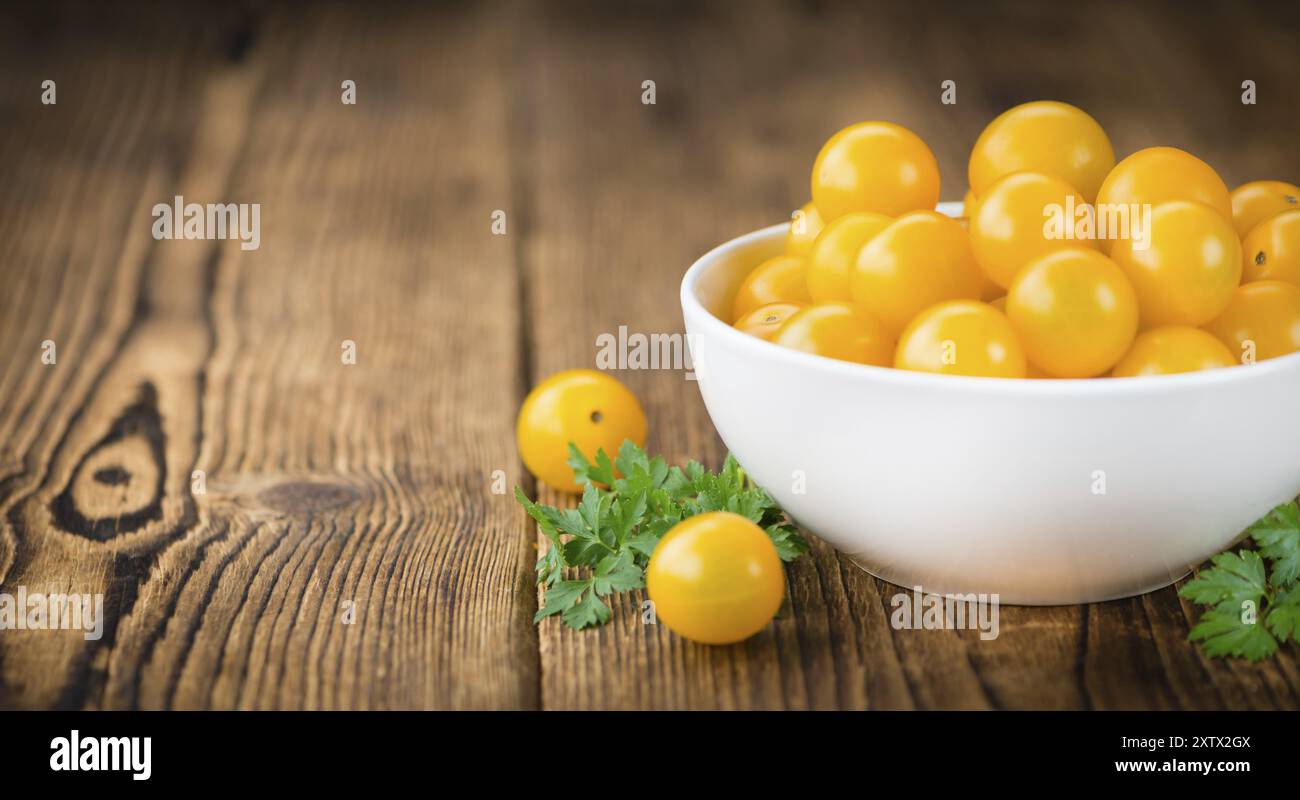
{"x": 763, "y": 349}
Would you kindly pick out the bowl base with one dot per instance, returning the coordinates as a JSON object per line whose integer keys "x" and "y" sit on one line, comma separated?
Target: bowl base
{"x": 1012, "y": 599}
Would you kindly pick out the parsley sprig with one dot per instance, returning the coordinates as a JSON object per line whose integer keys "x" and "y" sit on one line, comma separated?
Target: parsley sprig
{"x": 603, "y": 546}
{"x": 1253, "y": 608}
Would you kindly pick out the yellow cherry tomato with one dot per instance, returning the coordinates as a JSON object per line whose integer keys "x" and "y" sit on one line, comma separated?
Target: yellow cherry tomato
{"x": 1254, "y": 202}
{"x": 836, "y": 250}
{"x": 1271, "y": 251}
{"x": 1031, "y": 371}
{"x": 1045, "y": 136}
{"x": 1186, "y": 266}
{"x": 1159, "y": 175}
{"x": 837, "y": 330}
{"x": 874, "y": 166}
{"x": 1262, "y": 321}
{"x": 1170, "y": 350}
{"x": 1013, "y": 225}
{"x": 765, "y": 320}
{"x": 988, "y": 289}
{"x": 805, "y": 225}
{"x": 961, "y": 337}
{"x": 782, "y": 279}
{"x": 715, "y": 578}
{"x": 968, "y": 204}
{"x": 1075, "y": 313}
{"x": 589, "y": 408}
{"x": 922, "y": 258}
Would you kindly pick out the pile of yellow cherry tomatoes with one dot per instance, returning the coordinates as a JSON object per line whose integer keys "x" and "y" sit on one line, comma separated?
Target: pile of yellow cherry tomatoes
{"x": 871, "y": 273}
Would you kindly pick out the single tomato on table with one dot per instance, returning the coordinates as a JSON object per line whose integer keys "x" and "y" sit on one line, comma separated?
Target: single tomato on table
{"x": 715, "y": 578}
{"x": 591, "y": 409}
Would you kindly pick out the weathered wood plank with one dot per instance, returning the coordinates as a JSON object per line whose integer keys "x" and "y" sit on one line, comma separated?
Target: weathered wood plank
{"x": 326, "y": 483}
{"x": 76, "y": 266}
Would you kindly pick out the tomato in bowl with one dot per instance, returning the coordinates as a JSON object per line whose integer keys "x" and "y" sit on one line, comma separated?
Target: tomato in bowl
{"x": 1040, "y": 491}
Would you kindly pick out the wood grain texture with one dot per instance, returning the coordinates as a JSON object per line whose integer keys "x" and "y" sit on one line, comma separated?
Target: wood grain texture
{"x": 326, "y": 483}
{"x": 369, "y": 486}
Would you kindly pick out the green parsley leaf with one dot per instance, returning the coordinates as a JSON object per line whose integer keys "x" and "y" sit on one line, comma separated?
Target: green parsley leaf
{"x": 539, "y": 515}
{"x": 579, "y": 552}
{"x": 630, "y": 458}
{"x": 1278, "y": 538}
{"x": 585, "y": 472}
{"x": 589, "y": 510}
{"x": 1235, "y": 578}
{"x": 644, "y": 544}
{"x": 1254, "y": 608}
{"x": 627, "y": 514}
{"x": 561, "y": 597}
{"x": 1284, "y": 615}
{"x": 550, "y": 566}
{"x": 588, "y": 611}
{"x": 617, "y": 574}
{"x": 1223, "y": 632}
{"x": 789, "y": 544}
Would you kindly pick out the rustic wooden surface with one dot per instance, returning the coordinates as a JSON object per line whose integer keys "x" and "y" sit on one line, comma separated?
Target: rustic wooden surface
{"x": 371, "y": 483}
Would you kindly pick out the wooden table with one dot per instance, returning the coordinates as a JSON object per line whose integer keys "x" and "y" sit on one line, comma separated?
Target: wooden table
{"x": 332, "y": 489}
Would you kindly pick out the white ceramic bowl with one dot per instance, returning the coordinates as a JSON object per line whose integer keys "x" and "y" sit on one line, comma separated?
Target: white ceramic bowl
{"x": 1041, "y": 491}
